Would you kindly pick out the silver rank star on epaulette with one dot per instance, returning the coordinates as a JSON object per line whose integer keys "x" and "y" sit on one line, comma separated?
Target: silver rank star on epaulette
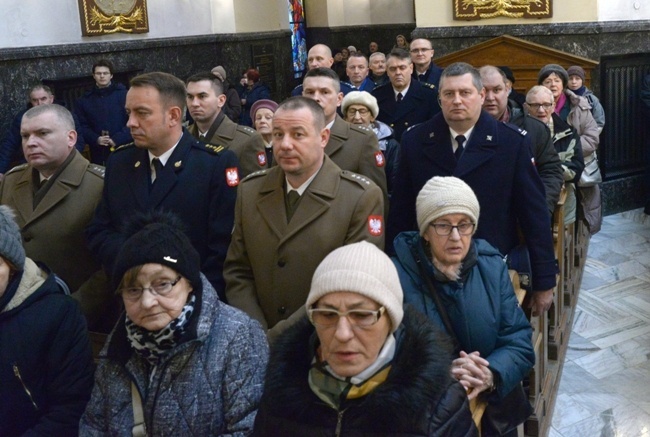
{"x": 98, "y": 169}
{"x": 488, "y": 138}
{"x": 366, "y": 128}
{"x": 523, "y": 131}
{"x": 359, "y": 178}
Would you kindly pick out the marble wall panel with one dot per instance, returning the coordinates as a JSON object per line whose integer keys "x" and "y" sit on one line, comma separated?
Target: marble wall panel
{"x": 21, "y": 68}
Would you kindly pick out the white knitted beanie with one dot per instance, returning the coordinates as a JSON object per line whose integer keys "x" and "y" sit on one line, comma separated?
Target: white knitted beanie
{"x": 360, "y": 98}
{"x": 364, "y": 269}
{"x": 445, "y": 195}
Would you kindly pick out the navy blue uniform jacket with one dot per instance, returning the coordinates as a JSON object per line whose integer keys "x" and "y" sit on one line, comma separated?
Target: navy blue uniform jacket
{"x": 192, "y": 185}
{"x": 418, "y": 105}
{"x": 497, "y": 164}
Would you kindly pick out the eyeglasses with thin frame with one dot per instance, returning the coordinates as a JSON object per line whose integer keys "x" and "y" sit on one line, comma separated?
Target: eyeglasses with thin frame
{"x": 536, "y": 106}
{"x": 327, "y": 318}
{"x": 445, "y": 229}
{"x": 362, "y": 112}
{"x": 159, "y": 288}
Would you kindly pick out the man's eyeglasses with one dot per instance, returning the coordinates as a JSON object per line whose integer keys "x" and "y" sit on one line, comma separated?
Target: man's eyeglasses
{"x": 158, "y": 288}
{"x": 327, "y": 318}
{"x": 445, "y": 229}
{"x": 362, "y": 112}
{"x": 536, "y": 106}
{"x": 416, "y": 51}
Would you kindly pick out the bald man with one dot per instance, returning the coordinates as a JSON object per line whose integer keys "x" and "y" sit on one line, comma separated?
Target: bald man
{"x": 321, "y": 56}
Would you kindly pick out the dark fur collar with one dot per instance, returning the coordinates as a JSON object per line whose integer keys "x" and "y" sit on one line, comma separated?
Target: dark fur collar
{"x": 418, "y": 378}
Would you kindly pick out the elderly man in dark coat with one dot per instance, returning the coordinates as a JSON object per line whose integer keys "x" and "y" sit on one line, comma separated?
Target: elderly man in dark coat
{"x": 495, "y": 160}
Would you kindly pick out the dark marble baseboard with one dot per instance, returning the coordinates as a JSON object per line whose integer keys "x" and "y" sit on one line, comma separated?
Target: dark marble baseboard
{"x": 359, "y": 36}
{"x": 22, "y": 68}
{"x": 624, "y": 194}
{"x": 592, "y": 39}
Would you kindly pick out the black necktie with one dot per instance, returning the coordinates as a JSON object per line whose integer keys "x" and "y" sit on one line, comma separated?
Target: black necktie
{"x": 399, "y": 97}
{"x": 157, "y": 166}
{"x": 460, "y": 139}
{"x": 292, "y": 203}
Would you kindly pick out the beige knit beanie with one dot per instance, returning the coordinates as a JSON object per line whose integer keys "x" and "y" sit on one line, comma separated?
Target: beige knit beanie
{"x": 445, "y": 195}
{"x": 360, "y": 268}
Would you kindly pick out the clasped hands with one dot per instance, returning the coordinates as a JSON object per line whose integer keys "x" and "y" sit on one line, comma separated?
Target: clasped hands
{"x": 473, "y": 373}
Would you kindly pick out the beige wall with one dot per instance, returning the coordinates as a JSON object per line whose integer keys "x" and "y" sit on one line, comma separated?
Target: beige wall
{"x": 337, "y": 13}
{"x": 260, "y": 16}
{"x": 440, "y": 13}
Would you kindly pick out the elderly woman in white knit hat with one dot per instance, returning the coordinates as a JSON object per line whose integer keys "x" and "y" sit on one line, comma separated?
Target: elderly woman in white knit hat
{"x": 360, "y": 108}
{"x": 462, "y": 285}
{"x": 361, "y": 364}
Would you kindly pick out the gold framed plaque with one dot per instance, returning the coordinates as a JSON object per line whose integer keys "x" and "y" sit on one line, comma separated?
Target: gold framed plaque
{"x": 101, "y": 17}
{"x": 481, "y": 9}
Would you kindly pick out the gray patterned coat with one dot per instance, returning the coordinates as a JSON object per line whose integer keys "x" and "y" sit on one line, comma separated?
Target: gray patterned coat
{"x": 208, "y": 385}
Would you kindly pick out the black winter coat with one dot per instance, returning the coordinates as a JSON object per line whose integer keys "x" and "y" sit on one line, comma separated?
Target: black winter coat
{"x": 46, "y": 367}
{"x": 419, "y": 398}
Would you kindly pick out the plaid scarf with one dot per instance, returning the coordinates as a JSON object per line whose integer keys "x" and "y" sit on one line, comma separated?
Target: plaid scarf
{"x": 153, "y": 345}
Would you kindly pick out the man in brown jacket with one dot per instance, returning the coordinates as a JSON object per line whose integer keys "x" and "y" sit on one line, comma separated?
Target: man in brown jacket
{"x": 288, "y": 218}
{"x": 54, "y": 195}
{"x": 351, "y": 147}
{"x": 205, "y": 100}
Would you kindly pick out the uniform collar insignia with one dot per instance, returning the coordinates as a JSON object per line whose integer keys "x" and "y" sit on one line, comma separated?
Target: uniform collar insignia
{"x": 137, "y": 164}
{"x": 489, "y": 138}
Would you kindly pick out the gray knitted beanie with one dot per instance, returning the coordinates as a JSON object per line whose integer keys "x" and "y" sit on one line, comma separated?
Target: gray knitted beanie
{"x": 445, "y": 195}
{"x": 364, "y": 269}
{"x": 548, "y": 69}
{"x": 11, "y": 242}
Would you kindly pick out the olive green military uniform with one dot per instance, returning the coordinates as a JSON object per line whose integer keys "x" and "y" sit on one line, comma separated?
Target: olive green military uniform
{"x": 246, "y": 143}
{"x": 270, "y": 262}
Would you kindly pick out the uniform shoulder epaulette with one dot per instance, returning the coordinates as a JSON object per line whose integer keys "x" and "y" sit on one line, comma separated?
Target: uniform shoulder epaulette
{"x": 364, "y": 129}
{"x": 246, "y": 129}
{"x": 428, "y": 85}
{"x": 214, "y": 149}
{"x": 124, "y": 146}
{"x": 382, "y": 86}
{"x": 519, "y": 130}
{"x": 97, "y": 170}
{"x": 256, "y": 174}
{"x": 359, "y": 179}
{"x": 17, "y": 168}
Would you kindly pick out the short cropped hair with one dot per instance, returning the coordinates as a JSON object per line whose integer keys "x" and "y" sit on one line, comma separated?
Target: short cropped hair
{"x": 103, "y": 63}
{"x": 40, "y": 86}
{"x": 325, "y": 72}
{"x": 461, "y": 69}
{"x": 357, "y": 55}
{"x": 171, "y": 89}
{"x": 488, "y": 69}
{"x": 540, "y": 89}
{"x": 376, "y": 55}
{"x": 62, "y": 114}
{"x": 399, "y": 54}
{"x": 217, "y": 84}
{"x": 298, "y": 102}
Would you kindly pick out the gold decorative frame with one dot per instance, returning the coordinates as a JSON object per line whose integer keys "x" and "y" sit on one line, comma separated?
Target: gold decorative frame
{"x": 481, "y": 9}
{"x": 101, "y": 17}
